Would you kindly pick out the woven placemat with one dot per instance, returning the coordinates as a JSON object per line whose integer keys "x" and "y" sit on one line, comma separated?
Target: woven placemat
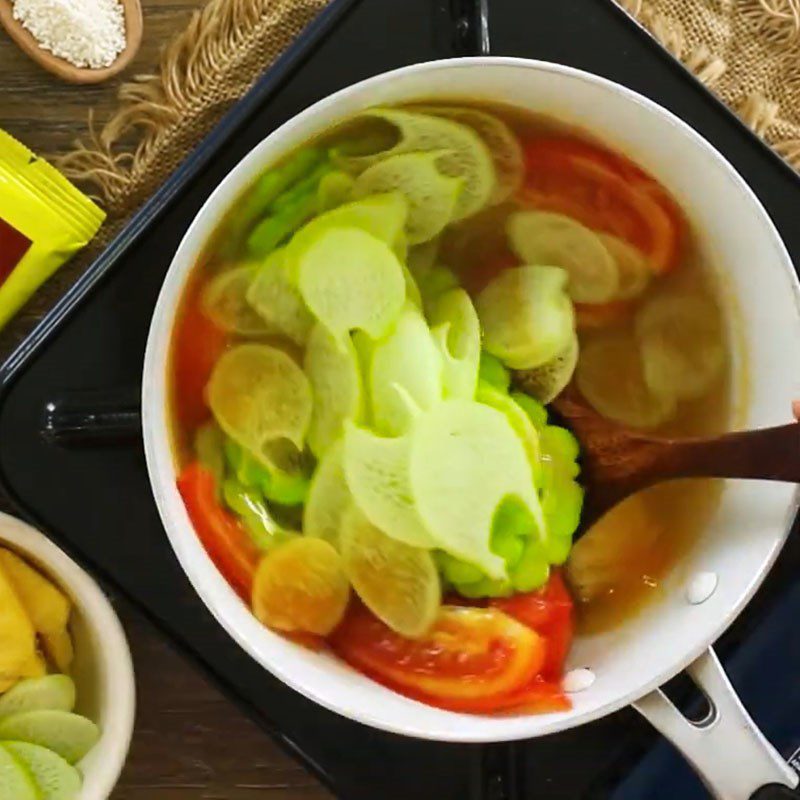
{"x": 747, "y": 51}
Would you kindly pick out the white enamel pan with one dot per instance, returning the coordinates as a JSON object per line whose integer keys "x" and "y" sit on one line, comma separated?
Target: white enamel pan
{"x": 752, "y": 522}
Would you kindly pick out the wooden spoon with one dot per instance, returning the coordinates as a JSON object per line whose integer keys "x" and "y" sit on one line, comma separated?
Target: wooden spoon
{"x": 63, "y": 69}
{"x": 617, "y": 462}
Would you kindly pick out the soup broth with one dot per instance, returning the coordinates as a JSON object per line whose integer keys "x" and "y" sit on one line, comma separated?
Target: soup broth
{"x": 670, "y": 307}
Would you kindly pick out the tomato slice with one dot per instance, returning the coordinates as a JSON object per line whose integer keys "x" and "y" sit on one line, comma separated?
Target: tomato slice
{"x": 198, "y": 344}
{"x": 222, "y": 535}
{"x": 549, "y": 612}
{"x": 598, "y": 315}
{"x": 471, "y": 658}
{"x": 606, "y": 192}
{"x": 540, "y": 696}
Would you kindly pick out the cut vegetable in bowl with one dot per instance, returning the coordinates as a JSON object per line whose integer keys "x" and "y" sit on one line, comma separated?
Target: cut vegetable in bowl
{"x": 41, "y": 737}
{"x": 526, "y": 316}
{"x": 605, "y": 192}
{"x": 465, "y": 155}
{"x": 542, "y": 237}
{"x": 547, "y": 381}
{"x": 372, "y": 461}
{"x": 397, "y": 582}
{"x": 503, "y": 145}
{"x": 633, "y": 268}
{"x": 611, "y": 377}
{"x": 301, "y": 587}
{"x": 682, "y": 345}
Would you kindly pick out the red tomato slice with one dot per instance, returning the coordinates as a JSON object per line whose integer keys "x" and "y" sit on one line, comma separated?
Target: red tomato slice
{"x": 606, "y": 192}
{"x": 598, "y": 315}
{"x": 549, "y": 612}
{"x": 198, "y": 344}
{"x": 471, "y": 657}
{"x": 540, "y": 696}
{"x": 222, "y": 535}
{"x": 537, "y": 697}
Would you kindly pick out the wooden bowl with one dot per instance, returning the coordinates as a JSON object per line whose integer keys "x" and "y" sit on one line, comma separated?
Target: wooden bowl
{"x": 132, "y": 10}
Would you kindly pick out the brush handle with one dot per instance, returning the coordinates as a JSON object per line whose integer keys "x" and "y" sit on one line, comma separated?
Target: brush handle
{"x": 771, "y": 454}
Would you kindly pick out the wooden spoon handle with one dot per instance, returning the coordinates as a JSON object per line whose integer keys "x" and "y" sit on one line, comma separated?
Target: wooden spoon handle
{"x": 767, "y": 454}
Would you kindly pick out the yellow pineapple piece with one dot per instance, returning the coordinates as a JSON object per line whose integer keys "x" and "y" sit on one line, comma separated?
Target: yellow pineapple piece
{"x": 34, "y": 667}
{"x": 46, "y": 605}
{"x": 58, "y": 648}
{"x": 17, "y": 634}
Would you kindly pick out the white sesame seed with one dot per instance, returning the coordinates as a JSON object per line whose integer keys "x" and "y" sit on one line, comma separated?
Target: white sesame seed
{"x": 87, "y": 33}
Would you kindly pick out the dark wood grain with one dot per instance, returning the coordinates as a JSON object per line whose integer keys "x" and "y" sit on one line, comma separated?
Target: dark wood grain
{"x": 190, "y": 741}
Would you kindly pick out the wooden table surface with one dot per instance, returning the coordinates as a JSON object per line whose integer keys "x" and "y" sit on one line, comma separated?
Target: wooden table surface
{"x": 190, "y": 741}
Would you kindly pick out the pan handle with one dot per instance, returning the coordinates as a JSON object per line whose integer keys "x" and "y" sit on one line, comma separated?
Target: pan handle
{"x": 726, "y": 749}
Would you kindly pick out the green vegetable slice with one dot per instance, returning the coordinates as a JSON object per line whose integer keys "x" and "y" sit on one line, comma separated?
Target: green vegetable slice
{"x": 457, "y": 332}
{"x": 377, "y": 474}
{"x": 633, "y": 268}
{"x": 469, "y": 158}
{"x": 542, "y": 237}
{"x": 209, "y": 442}
{"x": 56, "y": 692}
{"x": 349, "y": 279}
{"x": 431, "y": 196}
{"x": 397, "y": 582}
{"x": 610, "y": 377}
{"x": 278, "y": 302}
{"x": 517, "y": 418}
{"x": 16, "y": 782}
{"x": 225, "y": 302}
{"x": 69, "y": 735}
{"x": 413, "y": 294}
{"x": 526, "y": 316}
{"x": 434, "y": 283}
{"x": 503, "y": 145}
{"x": 536, "y": 412}
{"x": 269, "y": 186}
{"x": 332, "y": 368}
{"x": 282, "y": 223}
{"x": 335, "y": 189}
{"x": 262, "y": 527}
{"x": 456, "y": 448}
{"x": 457, "y": 572}
{"x": 328, "y": 498}
{"x": 54, "y": 777}
{"x": 547, "y": 381}
{"x": 382, "y": 216}
{"x": 272, "y": 184}
{"x": 493, "y": 372}
{"x": 260, "y": 397}
{"x": 515, "y": 539}
{"x": 285, "y": 481}
{"x": 681, "y": 340}
{"x": 533, "y": 568}
{"x": 561, "y": 504}
{"x": 405, "y": 374}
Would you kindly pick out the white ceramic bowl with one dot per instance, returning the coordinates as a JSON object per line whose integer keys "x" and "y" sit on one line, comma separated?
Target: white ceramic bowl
{"x": 103, "y": 670}
{"x": 737, "y": 239}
